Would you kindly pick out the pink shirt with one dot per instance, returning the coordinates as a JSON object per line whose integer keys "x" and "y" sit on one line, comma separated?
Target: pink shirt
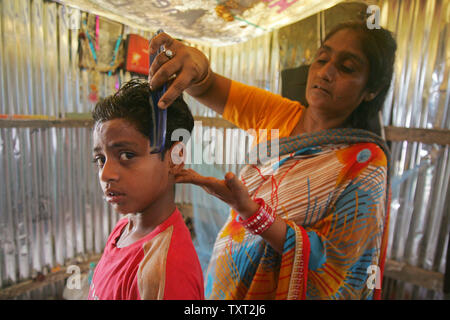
{"x": 161, "y": 265}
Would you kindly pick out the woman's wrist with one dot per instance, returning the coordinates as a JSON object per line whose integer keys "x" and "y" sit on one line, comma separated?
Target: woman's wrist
{"x": 248, "y": 210}
{"x": 260, "y": 220}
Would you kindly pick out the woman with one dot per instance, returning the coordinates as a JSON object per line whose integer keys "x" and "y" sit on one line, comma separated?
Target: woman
{"x": 311, "y": 222}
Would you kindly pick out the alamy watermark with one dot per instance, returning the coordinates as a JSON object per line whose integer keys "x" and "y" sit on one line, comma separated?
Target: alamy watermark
{"x": 209, "y": 146}
{"x": 374, "y": 279}
{"x": 373, "y": 21}
{"x": 74, "y": 280}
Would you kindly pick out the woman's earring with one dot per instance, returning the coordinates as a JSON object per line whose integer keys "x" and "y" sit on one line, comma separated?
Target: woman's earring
{"x": 370, "y": 97}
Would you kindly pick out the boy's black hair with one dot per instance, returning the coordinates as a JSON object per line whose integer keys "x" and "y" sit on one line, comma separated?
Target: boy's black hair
{"x": 131, "y": 103}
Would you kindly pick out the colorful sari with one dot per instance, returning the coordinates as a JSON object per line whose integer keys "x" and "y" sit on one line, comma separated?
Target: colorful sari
{"x": 331, "y": 188}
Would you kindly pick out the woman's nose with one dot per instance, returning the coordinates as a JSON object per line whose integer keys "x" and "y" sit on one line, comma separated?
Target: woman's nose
{"x": 327, "y": 71}
{"x": 109, "y": 172}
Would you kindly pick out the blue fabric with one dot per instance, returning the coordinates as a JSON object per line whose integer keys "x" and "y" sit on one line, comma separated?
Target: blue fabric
{"x": 317, "y": 256}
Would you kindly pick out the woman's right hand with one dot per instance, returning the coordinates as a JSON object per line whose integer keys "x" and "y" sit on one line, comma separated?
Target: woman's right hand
{"x": 189, "y": 65}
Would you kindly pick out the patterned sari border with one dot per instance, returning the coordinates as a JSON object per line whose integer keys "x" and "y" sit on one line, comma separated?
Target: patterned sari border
{"x": 297, "y": 285}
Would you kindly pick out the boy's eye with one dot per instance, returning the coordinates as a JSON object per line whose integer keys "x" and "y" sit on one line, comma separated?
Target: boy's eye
{"x": 126, "y": 155}
{"x": 99, "y": 161}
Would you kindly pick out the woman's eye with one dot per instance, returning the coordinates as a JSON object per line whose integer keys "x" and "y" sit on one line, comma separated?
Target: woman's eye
{"x": 126, "y": 156}
{"x": 347, "y": 69}
{"x": 322, "y": 58}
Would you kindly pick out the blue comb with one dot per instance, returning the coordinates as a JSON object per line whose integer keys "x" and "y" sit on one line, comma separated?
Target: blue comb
{"x": 158, "y": 132}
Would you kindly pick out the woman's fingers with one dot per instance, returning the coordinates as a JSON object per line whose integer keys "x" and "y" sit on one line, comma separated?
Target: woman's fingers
{"x": 235, "y": 185}
{"x": 162, "y": 59}
{"x": 230, "y": 190}
{"x": 212, "y": 185}
{"x": 189, "y": 65}
{"x": 242, "y": 201}
{"x": 175, "y": 89}
{"x": 162, "y": 39}
{"x": 188, "y": 176}
{"x": 191, "y": 176}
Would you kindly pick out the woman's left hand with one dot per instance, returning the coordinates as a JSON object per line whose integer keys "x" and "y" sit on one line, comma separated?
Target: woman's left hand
{"x": 233, "y": 192}
{"x": 230, "y": 190}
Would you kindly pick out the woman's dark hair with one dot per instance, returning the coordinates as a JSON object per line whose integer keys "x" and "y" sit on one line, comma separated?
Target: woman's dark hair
{"x": 131, "y": 103}
{"x": 379, "y": 47}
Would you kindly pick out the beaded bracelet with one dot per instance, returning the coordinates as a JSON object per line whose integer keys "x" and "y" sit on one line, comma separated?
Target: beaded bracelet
{"x": 261, "y": 220}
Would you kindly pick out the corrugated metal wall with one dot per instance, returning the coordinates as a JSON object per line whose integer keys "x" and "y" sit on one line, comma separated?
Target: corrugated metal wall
{"x": 51, "y": 208}
{"x": 419, "y": 98}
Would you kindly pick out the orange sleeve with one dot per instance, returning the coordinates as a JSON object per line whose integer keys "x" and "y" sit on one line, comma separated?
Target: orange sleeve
{"x": 253, "y": 108}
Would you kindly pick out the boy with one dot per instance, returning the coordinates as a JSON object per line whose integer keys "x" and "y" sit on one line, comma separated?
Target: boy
{"x": 149, "y": 254}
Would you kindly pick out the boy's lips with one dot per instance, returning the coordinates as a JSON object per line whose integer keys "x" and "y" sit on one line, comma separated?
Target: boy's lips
{"x": 114, "y": 196}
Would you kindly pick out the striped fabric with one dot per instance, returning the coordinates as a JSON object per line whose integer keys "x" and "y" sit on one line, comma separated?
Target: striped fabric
{"x": 331, "y": 189}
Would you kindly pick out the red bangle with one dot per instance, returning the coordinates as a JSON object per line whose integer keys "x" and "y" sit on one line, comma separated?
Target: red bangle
{"x": 261, "y": 220}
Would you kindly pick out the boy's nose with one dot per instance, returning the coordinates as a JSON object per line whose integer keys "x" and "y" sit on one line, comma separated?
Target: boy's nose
{"x": 109, "y": 172}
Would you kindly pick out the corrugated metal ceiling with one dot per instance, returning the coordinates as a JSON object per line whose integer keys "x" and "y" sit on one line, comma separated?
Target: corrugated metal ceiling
{"x": 211, "y": 22}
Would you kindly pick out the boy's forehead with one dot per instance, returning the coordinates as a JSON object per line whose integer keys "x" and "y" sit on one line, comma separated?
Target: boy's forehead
{"x": 116, "y": 132}
{"x": 113, "y": 124}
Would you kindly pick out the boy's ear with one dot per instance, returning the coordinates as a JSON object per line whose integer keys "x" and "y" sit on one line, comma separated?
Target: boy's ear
{"x": 177, "y": 157}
